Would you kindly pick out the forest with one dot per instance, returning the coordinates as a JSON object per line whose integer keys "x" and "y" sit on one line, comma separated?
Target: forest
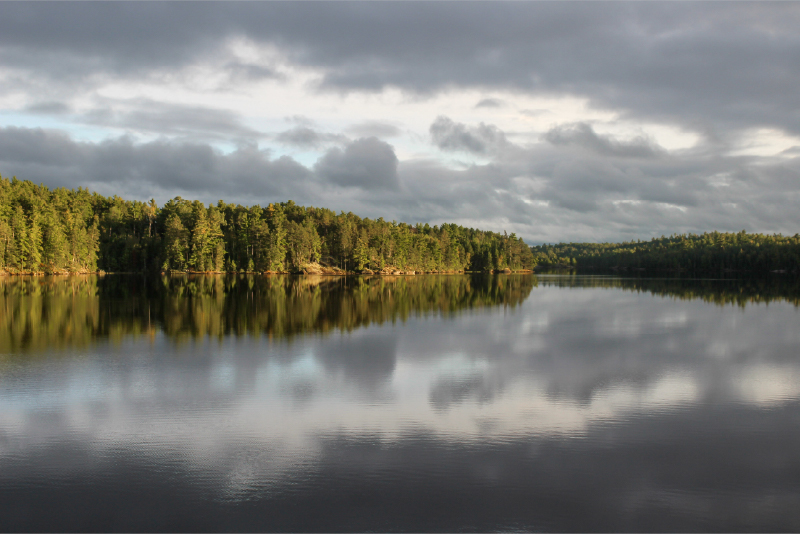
{"x": 62, "y": 231}
{"x": 711, "y": 252}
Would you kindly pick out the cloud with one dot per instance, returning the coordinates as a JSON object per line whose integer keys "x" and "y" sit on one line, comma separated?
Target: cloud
{"x": 718, "y": 70}
{"x": 373, "y": 129}
{"x": 366, "y": 163}
{"x": 452, "y": 136}
{"x": 70, "y": 41}
{"x": 159, "y": 168}
{"x": 305, "y": 137}
{"x": 490, "y": 103}
{"x": 146, "y": 115}
{"x": 49, "y": 108}
{"x": 534, "y": 112}
{"x": 543, "y": 192}
{"x": 249, "y": 72}
{"x": 719, "y": 64}
{"x": 300, "y": 120}
{"x": 583, "y": 135}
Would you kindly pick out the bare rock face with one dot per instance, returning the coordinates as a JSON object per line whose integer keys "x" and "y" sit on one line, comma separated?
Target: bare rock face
{"x": 312, "y": 268}
{"x": 367, "y": 271}
{"x": 316, "y": 268}
{"x": 507, "y": 270}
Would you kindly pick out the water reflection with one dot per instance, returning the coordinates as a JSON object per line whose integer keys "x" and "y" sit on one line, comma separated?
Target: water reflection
{"x": 54, "y": 312}
{"x": 48, "y": 313}
{"x": 431, "y": 403}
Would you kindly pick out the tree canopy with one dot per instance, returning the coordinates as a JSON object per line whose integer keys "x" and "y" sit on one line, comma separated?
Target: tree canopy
{"x": 711, "y": 252}
{"x": 75, "y": 231}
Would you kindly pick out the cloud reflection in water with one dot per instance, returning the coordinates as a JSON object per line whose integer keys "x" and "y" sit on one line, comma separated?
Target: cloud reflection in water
{"x": 584, "y": 408}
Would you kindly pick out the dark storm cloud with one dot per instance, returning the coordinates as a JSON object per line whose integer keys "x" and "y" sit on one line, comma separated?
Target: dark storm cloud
{"x": 481, "y": 139}
{"x": 305, "y": 137}
{"x": 706, "y": 65}
{"x": 366, "y": 163}
{"x": 73, "y": 41}
{"x": 727, "y": 65}
{"x": 139, "y": 169}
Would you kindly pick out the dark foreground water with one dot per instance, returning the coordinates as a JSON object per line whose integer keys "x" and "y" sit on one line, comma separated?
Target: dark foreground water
{"x": 428, "y": 403}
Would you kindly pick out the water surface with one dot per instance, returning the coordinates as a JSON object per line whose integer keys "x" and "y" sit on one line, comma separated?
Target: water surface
{"x": 453, "y": 403}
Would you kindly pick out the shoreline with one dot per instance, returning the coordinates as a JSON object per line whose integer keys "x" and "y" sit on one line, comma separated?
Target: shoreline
{"x": 266, "y": 273}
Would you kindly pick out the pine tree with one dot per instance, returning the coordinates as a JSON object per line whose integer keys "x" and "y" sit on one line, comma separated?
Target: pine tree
{"x": 175, "y": 243}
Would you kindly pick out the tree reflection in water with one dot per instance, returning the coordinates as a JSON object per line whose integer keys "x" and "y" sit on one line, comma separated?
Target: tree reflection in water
{"x": 50, "y": 313}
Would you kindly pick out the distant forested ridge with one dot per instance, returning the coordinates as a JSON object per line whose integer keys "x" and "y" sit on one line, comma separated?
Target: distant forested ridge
{"x": 77, "y": 231}
{"x": 711, "y": 252}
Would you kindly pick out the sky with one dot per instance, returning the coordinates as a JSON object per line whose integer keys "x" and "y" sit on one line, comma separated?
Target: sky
{"x": 557, "y": 121}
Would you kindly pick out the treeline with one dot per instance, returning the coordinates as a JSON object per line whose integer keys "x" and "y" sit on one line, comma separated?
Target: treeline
{"x": 46, "y": 313}
{"x": 711, "y": 252}
{"x": 75, "y": 231}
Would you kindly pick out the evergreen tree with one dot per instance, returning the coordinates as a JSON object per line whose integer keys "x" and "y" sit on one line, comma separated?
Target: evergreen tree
{"x": 175, "y": 243}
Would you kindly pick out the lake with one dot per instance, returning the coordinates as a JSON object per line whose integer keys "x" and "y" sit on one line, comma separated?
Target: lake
{"x": 427, "y": 403}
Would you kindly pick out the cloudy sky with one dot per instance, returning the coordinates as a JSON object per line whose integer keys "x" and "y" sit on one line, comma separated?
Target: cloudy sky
{"x": 560, "y": 121}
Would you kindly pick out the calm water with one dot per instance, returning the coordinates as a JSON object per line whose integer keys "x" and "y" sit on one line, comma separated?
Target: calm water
{"x": 428, "y": 403}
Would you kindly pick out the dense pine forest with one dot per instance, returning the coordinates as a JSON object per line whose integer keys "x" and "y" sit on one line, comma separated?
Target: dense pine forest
{"x": 711, "y": 252}
{"x": 77, "y": 231}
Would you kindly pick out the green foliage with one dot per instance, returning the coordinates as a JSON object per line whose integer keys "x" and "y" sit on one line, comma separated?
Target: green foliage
{"x": 74, "y": 231}
{"x": 46, "y": 231}
{"x": 176, "y": 243}
{"x": 711, "y": 252}
{"x": 55, "y": 231}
